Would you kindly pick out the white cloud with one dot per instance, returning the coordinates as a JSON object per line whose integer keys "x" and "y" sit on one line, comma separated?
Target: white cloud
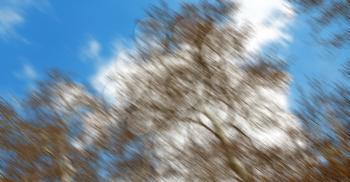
{"x": 27, "y": 73}
{"x": 9, "y": 20}
{"x": 103, "y": 79}
{"x": 269, "y": 19}
{"x": 91, "y": 50}
{"x": 12, "y": 15}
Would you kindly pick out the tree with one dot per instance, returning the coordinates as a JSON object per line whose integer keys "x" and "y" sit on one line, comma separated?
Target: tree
{"x": 59, "y": 133}
{"x": 325, "y": 112}
{"x": 203, "y": 108}
{"x": 37, "y": 142}
{"x": 191, "y": 106}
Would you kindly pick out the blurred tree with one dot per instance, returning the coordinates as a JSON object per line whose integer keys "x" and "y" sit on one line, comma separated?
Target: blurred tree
{"x": 59, "y": 133}
{"x": 325, "y": 112}
{"x": 205, "y": 109}
{"x": 37, "y": 141}
{"x": 192, "y": 106}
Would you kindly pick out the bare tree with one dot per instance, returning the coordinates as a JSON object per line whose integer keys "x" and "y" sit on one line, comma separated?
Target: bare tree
{"x": 325, "y": 113}
{"x": 37, "y": 140}
{"x": 191, "y": 106}
{"x": 59, "y": 133}
{"x": 205, "y": 110}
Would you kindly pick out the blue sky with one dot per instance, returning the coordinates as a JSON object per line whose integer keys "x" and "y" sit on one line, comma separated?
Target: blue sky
{"x": 79, "y": 36}
{"x": 51, "y": 34}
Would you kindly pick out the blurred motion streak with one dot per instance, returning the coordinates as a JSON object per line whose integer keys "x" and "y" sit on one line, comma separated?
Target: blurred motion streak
{"x": 192, "y": 101}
